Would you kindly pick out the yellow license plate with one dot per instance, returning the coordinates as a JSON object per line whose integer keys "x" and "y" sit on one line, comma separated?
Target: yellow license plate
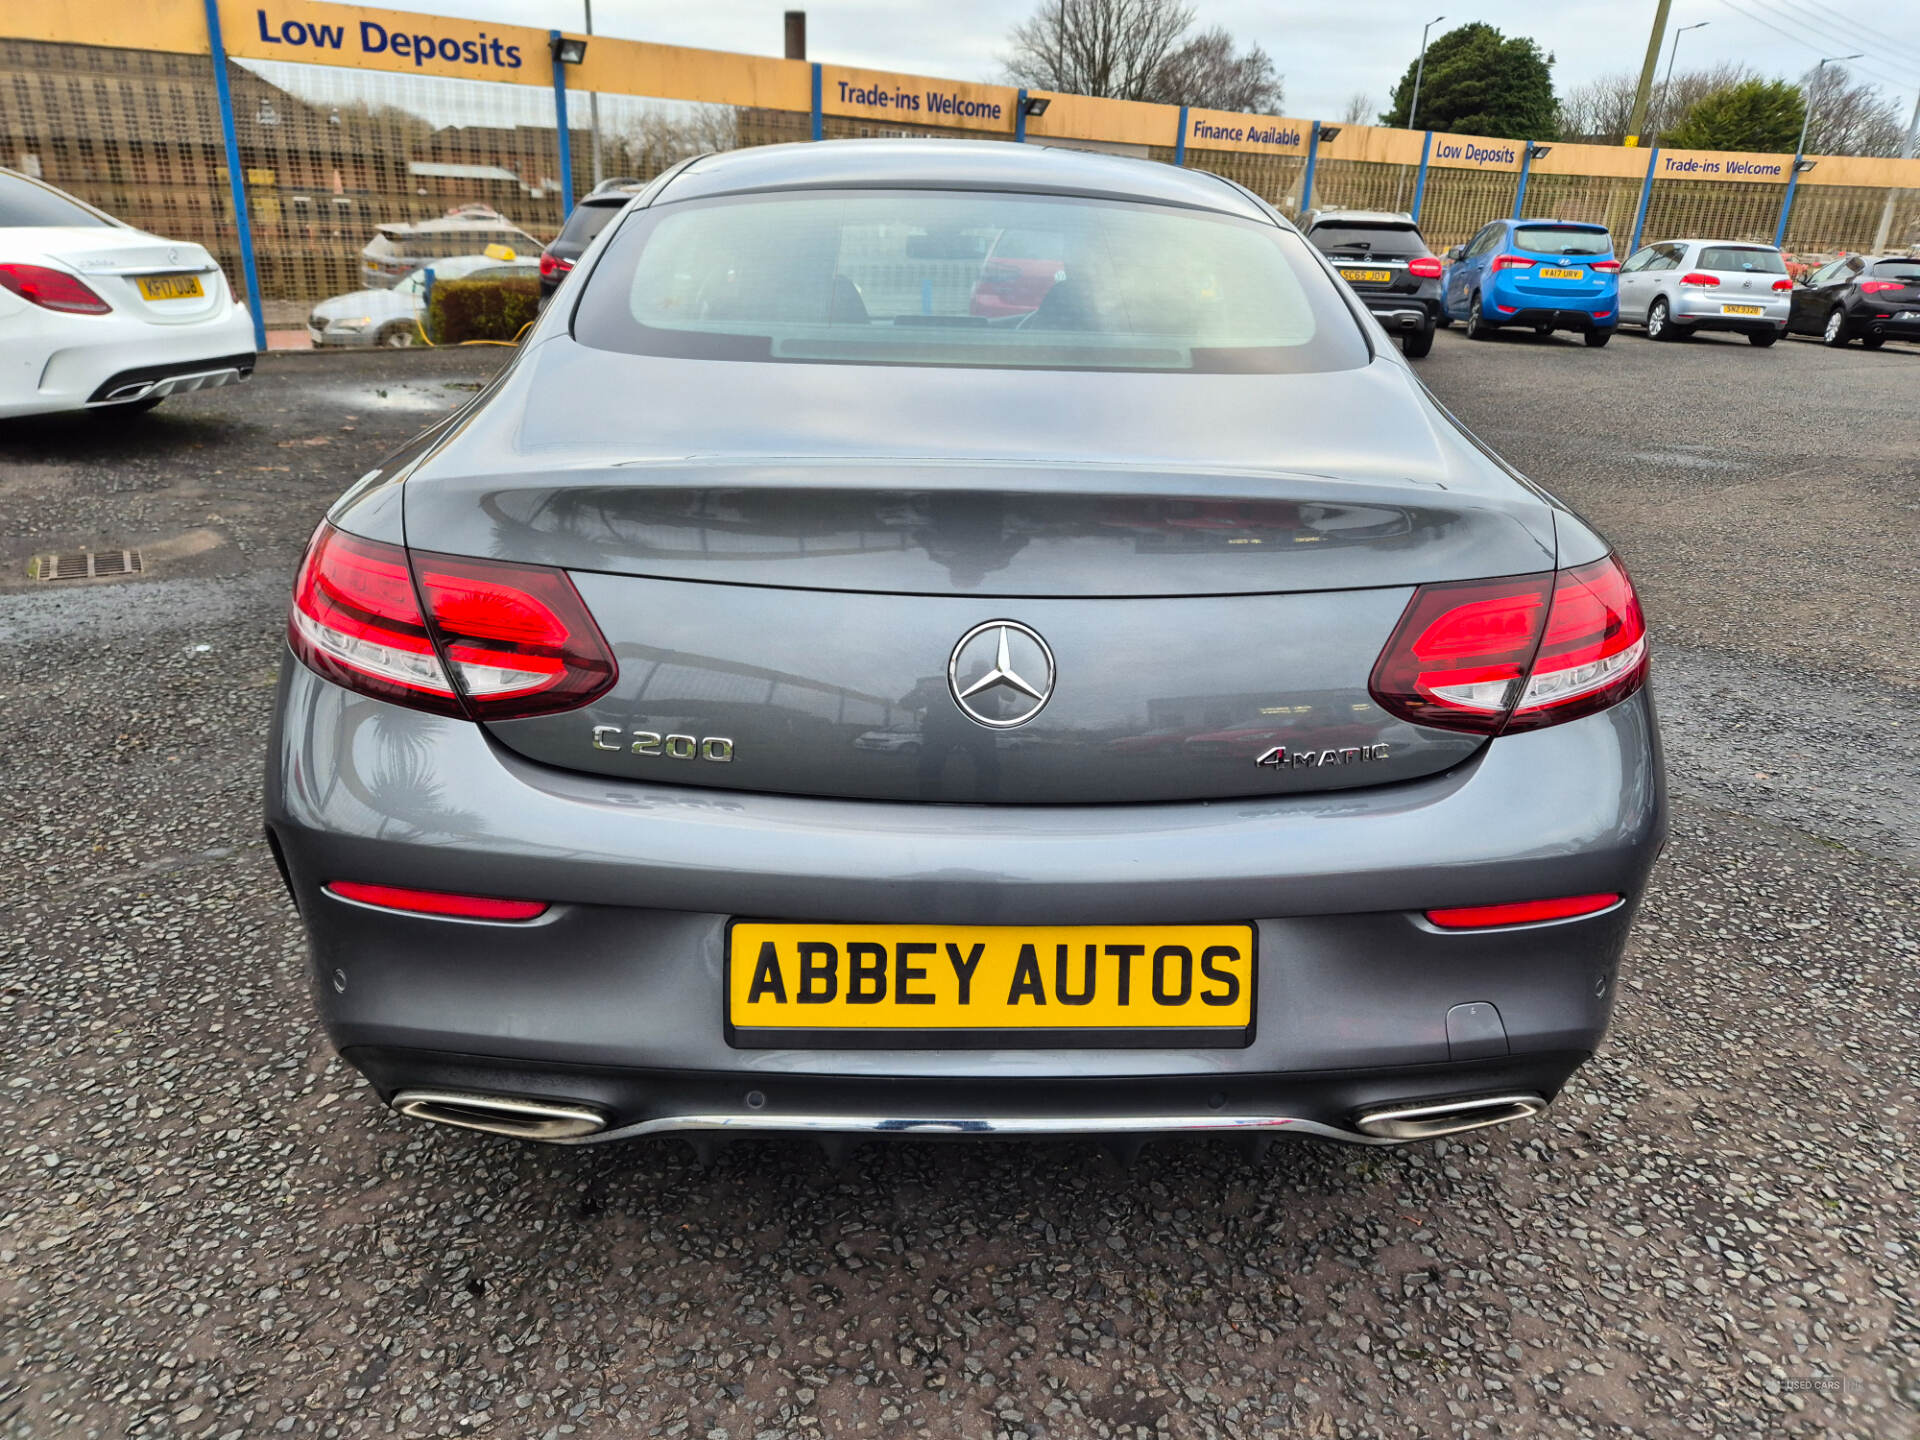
{"x": 1378, "y": 277}
{"x": 170, "y": 287}
{"x": 1549, "y": 273}
{"x": 1742, "y": 310}
{"x": 934, "y": 978}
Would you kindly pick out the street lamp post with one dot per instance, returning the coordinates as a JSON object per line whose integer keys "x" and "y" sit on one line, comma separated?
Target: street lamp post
{"x": 593, "y": 112}
{"x": 1413, "y": 105}
{"x": 1800, "y": 145}
{"x": 1420, "y": 69}
{"x": 1666, "y": 85}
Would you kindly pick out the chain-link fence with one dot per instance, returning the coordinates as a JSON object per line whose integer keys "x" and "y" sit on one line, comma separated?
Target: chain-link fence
{"x": 354, "y": 169}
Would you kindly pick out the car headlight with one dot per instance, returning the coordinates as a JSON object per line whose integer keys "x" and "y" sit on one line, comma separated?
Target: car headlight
{"x": 359, "y": 322}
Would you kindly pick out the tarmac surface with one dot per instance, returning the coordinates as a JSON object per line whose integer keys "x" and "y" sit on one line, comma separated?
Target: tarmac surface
{"x": 208, "y": 1227}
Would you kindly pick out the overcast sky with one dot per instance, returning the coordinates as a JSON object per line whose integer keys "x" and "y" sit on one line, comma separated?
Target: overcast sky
{"x": 1327, "y": 52}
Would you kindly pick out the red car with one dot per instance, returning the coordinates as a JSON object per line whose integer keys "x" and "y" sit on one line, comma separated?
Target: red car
{"x": 1022, "y": 266}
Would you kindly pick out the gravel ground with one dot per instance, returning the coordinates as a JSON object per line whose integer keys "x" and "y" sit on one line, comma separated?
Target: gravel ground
{"x": 209, "y": 1229}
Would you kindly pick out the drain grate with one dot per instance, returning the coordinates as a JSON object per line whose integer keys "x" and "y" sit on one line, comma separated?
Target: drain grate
{"x": 85, "y": 565}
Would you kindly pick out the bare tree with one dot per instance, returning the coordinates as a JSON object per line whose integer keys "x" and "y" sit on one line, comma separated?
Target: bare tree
{"x": 1598, "y": 111}
{"x": 1112, "y": 48}
{"x": 652, "y": 141}
{"x": 1359, "y": 107}
{"x": 1205, "y": 71}
{"x": 1852, "y": 118}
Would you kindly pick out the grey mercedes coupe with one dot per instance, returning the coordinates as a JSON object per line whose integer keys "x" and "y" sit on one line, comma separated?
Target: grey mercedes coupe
{"x": 960, "y": 638}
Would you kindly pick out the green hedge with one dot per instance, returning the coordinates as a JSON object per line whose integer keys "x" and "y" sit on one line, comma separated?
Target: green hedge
{"x": 481, "y": 309}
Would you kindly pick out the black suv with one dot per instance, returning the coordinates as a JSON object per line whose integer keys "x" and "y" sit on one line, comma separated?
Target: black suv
{"x": 1381, "y": 254}
{"x": 589, "y": 218}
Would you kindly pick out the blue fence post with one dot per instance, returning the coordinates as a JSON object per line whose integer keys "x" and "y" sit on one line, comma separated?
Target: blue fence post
{"x": 1180, "y": 145}
{"x": 1646, "y": 198}
{"x": 236, "y": 178}
{"x": 1020, "y": 118}
{"x": 819, "y": 128}
{"x": 1786, "y": 205}
{"x": 1420, "y": 184}
{"x": 559, "y": 119}
{"x": 1526, "y": 164}
{"x": 1313, "y": 156}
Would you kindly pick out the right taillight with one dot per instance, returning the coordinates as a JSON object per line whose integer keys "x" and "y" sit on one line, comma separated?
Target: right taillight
{"x": 1783, "y": 284}
{"x": 52, "y": 290}
{"x": 1424, "y": 267}
{"x": 1518, "y": 653}
{"x": 552, "y": 265}
{"x": 494, "y": 641}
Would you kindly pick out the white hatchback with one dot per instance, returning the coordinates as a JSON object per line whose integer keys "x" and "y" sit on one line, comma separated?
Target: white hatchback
{"x": 97, "y": 314}
{"x": 1677, "y": 287}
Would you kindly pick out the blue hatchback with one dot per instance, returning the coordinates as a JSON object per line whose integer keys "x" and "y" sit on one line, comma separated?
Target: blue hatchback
{"x": 1545, "y": 275}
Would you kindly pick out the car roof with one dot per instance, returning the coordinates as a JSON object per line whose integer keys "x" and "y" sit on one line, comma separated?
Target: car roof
{"x": 955, "y": 165}
{"x": 1549, "y": 221}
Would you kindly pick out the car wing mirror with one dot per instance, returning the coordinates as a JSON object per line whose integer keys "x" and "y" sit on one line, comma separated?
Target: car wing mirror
{"x": 1456, "y": 252}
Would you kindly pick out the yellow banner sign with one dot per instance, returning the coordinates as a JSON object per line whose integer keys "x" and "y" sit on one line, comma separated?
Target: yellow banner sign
{"x": 365, "y": 39}
{"x": 1720, "y": 165}
{"x": 914, "y": 99}
{"x": 1261, "y": 134}
{"x": 1475, "y": 152}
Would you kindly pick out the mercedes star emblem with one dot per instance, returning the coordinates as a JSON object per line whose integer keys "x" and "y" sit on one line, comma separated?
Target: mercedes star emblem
{"x": 1000, "y": 674}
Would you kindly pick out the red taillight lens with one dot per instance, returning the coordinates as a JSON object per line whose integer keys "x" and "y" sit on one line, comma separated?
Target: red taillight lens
{"x": 1874, "y": 287}
{"x": 437, "y": 902}
{"x": 51, "y": 290}
{"x": 1516, "y": 653}
{"x": 1509, "y": 262}
{"x": 1783, "y": 284}
{"x": 1606, "y": 267}
{"x": 1701, "y": 279}
{"x": 355, "y": 619}
{"x": 1522, "y": 912}
{"x": 552, "y": 265}
{"x": 505, "y": 640}
{"x": 1427, "y": 267}
{"x": 1594, "y": 653}
{"x": 519, "y": 638}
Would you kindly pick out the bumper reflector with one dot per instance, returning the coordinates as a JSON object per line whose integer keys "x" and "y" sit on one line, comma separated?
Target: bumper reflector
{"x": 437, "y": 902}
{"x": 1520, "y": 912}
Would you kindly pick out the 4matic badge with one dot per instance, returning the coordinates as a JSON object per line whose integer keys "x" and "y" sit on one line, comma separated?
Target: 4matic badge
{"x": 1280, "y": 758}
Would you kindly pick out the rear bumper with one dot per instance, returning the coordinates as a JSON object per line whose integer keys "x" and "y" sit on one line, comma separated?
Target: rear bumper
{"x": 51, "y": 362}
{"x": 1897, "y": 327}
{"x": 1535, "y": 316}
{"x": 1402, "y": 312}
{"x": 615, "y": 998}
{"x": 1707, "y": 315}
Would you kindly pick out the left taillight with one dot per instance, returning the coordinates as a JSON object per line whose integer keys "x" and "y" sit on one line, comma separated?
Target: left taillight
{"x": 1520, "y": 653}
{"x": 1425, "y": 267}
{"x": 494, "y": 641}
{"x": 1874, "y": 287}
{"x": 52, "y": 290}
{"x": 1700, "y": 280}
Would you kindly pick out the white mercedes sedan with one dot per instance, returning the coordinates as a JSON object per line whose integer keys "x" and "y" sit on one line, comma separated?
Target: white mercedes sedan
{"x": 96, "y": 314}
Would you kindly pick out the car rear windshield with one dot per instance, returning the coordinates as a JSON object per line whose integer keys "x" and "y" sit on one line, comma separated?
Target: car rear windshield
{"x": 1389, "y": 242}
{"x": 23, "y": 204}
{"x": 1562, "y": 240}
{"x": 1898, "y": 269}
{"x": 913, "y": 277}
{"x": 1750, "y": 258}
{"x": 587, "y": 221}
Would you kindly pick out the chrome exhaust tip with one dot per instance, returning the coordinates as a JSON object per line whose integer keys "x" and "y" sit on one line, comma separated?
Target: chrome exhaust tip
{"x": 501, "y": 1114}
{"x": 1447, "y": 1117}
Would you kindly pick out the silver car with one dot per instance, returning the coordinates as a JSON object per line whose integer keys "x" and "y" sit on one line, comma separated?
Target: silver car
{"x": 392, "y": 317}
{"x": 1676, "y": 287}
{"x": 1284, "y": 764}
